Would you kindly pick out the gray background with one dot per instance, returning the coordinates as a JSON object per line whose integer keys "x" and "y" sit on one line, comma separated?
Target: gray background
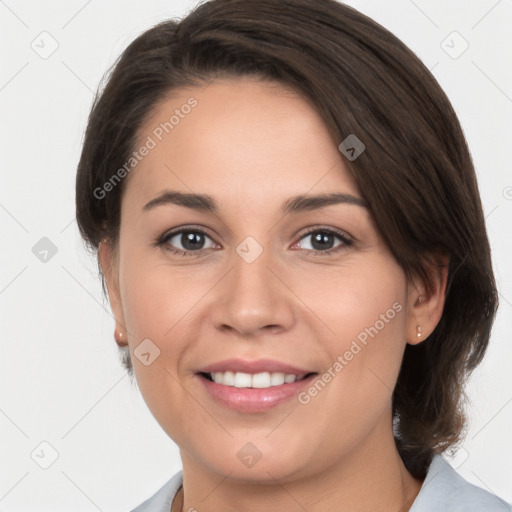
{"x": 61, "y": 382}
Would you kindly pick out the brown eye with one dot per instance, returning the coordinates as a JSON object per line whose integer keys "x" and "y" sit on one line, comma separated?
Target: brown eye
{"x": 324, "y": 241}
{"x": 186, "y": 241}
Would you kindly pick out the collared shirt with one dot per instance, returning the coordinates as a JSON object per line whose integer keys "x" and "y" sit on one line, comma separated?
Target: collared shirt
{"x": 443, "y": 490}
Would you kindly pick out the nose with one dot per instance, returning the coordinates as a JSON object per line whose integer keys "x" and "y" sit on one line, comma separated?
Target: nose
{"x": 254, "y": 297}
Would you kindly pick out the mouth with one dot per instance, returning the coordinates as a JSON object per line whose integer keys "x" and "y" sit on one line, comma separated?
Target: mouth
{"x": 260, "y": 380}
{"x": 253, "y": 393}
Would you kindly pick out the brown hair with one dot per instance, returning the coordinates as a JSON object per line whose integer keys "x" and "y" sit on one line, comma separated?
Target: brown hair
{"x": 416, "y": 173}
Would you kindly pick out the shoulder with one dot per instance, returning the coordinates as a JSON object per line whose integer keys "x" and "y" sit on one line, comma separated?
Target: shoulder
{"x": 444, "y": 489}
{"x": 161, "y": 501}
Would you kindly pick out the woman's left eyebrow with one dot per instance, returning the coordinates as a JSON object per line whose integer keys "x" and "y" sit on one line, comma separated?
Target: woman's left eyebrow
{"x": 296, "y": 204}
{"x": 306, "y": 202}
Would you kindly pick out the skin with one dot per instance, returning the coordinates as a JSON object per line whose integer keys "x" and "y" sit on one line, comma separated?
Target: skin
{"x": 252, "y": 145}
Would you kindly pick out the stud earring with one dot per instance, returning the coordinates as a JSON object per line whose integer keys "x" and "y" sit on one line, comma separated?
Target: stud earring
{"x": 118, "y": 336}
{"x": 419, "y": 331}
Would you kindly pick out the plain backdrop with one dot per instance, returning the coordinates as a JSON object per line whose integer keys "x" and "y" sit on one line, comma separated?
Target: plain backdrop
{"x": 75, "y": 435}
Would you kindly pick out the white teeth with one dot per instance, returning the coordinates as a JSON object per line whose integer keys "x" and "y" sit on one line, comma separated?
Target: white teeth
{"x": 257, "y": 380}
{"x": 290, "y": 377}
{"x": 242, "y": 380}
{"x": 261, "y": 380}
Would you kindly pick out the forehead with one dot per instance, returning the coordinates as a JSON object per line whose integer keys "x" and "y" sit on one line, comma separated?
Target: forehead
{"x": 254, "y": 139}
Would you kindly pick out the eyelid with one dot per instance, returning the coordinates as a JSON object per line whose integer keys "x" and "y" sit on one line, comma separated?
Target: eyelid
{"x": 320, "y": 227}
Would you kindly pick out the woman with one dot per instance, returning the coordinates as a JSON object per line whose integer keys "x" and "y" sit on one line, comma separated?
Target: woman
{"x": 290, "y": 232}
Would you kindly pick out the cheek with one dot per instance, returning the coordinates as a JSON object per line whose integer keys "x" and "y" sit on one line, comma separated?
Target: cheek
{"x": 149, "y": 312}
{"x": 153, "y": 305}
{"x": 162, "y": 303}
{"x": 364, "y": 315}
{"x": 368, "y": 358}
{"x": 362, "y": 294}
{"x": 361, "y": 312}
{"x": 155, "y": 309}
{"x": 156, "y": 296}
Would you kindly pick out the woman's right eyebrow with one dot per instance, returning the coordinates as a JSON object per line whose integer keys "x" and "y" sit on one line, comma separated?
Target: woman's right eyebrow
{"x": 296, "y": 204}
{"x": 201, "y": 202}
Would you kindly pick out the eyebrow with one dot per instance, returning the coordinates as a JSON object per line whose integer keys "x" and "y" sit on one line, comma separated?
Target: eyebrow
{"x": 296, "y": 204}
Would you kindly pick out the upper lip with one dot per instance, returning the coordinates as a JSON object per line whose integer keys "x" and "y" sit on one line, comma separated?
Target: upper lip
{"x": 252, "y": 367}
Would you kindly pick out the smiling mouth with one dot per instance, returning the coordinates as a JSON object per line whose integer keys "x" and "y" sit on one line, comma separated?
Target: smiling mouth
{"x": 210, "y": 378}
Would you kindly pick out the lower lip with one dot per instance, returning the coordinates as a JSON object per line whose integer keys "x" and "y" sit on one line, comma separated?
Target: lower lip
{"x": 253, "y": 399}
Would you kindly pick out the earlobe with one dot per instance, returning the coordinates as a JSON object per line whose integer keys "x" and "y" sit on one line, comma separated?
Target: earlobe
{"x": 120, "y": 338}
{"x": 109, "y": 267}
{"x": 426, "y": 301}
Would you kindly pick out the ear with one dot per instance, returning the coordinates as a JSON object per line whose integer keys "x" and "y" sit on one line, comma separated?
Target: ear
{"x": 426, "y": 300}
{"x": 108, "y": 260}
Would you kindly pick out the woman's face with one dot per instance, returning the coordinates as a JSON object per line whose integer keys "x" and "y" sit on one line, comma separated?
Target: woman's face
{"x": 312, "y": 286}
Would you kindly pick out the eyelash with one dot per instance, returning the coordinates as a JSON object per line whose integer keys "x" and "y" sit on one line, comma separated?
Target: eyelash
{"x": 346, "y": 242}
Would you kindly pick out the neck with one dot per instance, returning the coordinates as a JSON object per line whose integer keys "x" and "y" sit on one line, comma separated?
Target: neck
{"x": 373, "y": 478}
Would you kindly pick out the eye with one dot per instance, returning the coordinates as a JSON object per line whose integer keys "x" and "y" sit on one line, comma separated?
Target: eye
{"x": 322, "y": 240}
{"x": 186, "y": 241}
{"x": 191, "y": 241}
